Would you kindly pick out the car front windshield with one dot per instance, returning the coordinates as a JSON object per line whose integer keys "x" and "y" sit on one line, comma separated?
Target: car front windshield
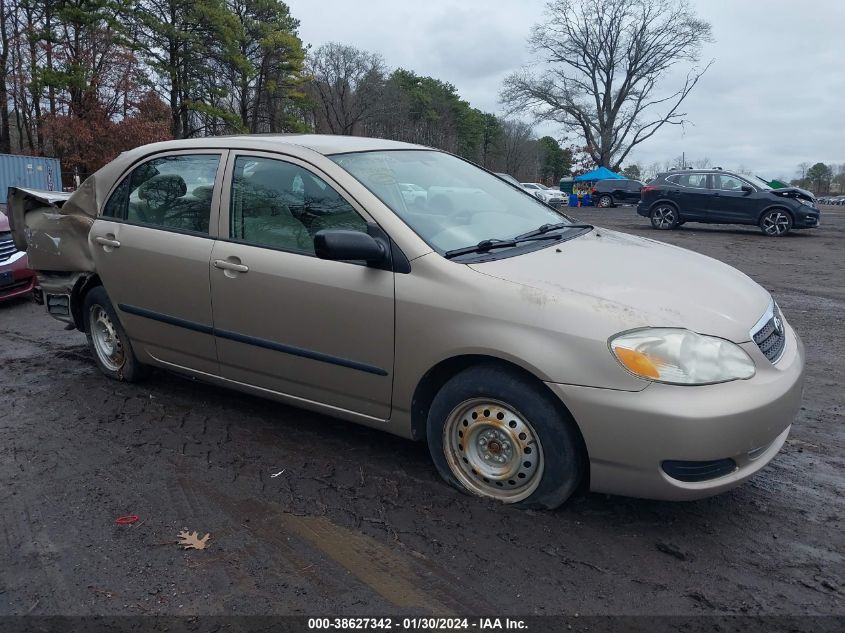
{"x": 462, "y": 204}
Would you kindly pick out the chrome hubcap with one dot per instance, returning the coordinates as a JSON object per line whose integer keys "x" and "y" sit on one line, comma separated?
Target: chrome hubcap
{"x": 493, "y": 450}
{"x": 604, "y": 202}
{"x": 106, "y": 341}
{"x": 776, "y": 223}
{"x": 663, "y": 217}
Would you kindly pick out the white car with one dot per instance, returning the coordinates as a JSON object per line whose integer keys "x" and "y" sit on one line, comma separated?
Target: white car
{"x": 413, "y": 194}
{"x": 544, "y": 193}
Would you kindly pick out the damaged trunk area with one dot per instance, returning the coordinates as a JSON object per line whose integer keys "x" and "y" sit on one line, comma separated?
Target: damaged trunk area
{"x": 53, "y": 227}
{"x": 53, "y": 233}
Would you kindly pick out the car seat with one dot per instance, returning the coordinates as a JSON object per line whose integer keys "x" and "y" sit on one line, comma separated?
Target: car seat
{"x": 260, "y": 203}
{"x": 156, "y": 196}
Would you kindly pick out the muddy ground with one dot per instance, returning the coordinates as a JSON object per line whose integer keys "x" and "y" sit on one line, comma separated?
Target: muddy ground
{"x": 309, "y": 515}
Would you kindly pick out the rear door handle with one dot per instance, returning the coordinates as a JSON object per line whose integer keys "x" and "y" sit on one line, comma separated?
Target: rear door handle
{"x": 104, "y": 241}
{"x": 222, "y": 264}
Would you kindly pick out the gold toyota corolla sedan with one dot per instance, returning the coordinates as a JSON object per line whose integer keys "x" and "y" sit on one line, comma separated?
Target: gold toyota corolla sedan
{"x": 406, "y": 289}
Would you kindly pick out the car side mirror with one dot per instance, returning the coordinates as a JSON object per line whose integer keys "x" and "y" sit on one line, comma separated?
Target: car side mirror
{"x": 747, "y": 189}
{"x": 342, "y": 245}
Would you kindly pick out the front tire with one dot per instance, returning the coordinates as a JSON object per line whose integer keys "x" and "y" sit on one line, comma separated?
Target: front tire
{"x": 776, "y": 223}
{"x": 664, "y": 217}
{"x": 109, "y": 344}
{"x": 495, "y": 433}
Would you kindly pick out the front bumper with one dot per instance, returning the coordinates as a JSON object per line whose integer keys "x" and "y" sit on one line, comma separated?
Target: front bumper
{"x": 16, "y": 278}
{"x": 629, "y": 435}
{"x": 806, "y": 220}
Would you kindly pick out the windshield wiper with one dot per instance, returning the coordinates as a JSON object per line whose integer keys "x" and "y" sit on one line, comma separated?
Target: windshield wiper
{"x": 487, "y": 245}
{"x": 546, "y": 228}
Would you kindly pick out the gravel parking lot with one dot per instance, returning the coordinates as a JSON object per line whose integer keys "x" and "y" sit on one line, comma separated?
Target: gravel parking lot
{"x": 309, "y": 515}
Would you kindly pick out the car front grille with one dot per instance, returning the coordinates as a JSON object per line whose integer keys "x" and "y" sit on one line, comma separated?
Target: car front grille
{"x": 771, "y": 337}
{"x": 7, "y": 246}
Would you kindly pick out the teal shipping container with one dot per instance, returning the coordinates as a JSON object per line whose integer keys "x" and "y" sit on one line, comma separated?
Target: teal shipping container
{"x": 33, "y": 172}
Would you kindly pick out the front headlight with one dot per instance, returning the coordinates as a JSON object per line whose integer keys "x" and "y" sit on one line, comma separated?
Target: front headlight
{"x": 681, "y": 357}
{"x": 806, "y": 202}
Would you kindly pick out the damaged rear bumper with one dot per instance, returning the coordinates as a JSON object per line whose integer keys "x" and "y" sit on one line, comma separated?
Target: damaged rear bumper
{"x": 57, "y": 291}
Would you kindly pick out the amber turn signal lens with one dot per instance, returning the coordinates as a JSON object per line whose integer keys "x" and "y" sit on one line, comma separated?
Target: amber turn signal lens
{"x": 637, "y": 362}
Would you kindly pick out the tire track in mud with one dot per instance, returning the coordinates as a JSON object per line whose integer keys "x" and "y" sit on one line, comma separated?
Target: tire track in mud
{"x": 402, "y": 578}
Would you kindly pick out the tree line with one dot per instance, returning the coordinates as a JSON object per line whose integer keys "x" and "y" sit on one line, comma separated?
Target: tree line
{"x": 84, "y": 80}
{"x": 820, "y": 178}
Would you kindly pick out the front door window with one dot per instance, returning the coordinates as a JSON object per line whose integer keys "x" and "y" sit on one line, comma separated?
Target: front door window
{"x": 280, "y": 205}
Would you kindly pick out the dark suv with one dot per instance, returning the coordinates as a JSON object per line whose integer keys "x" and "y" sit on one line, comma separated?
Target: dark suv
{"x": 609, "y": 193}
{"x": 718, "y": 196}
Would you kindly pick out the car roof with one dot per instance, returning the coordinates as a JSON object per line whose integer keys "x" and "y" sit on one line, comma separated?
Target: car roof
{"x": 709, "y": 170}
{"x": 320, "y": 143}
{"x": 93, "y": 192}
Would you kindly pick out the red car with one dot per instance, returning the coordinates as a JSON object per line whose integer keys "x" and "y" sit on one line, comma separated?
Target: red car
{"x": 16, "y": 278}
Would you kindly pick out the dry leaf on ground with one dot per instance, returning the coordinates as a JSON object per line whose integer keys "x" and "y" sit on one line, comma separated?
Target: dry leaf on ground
{"x": 191, "y": 540}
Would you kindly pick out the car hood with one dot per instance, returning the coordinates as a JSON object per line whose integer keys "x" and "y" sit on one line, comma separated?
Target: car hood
{"x": 794, "y": 192}
{"x": 618, "y": 282}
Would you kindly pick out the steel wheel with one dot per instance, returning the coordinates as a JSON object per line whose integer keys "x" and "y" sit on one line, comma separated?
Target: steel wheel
{"x": 493, "y": 450}
{"x": 664, "y": 217}
{"x": 106, "y": 340}
{"x": 605, "y": 202}
{"x": 776, "y": 223}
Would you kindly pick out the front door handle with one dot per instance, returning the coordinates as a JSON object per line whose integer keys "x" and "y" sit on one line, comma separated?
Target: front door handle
{"x": 105, "y": 241}
{"x": 222, "y": 264}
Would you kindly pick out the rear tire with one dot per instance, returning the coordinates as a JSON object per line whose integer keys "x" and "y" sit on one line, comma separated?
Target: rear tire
{"x": 496, "y": 433}
{"x": 109, "y": 344}
{"x": 605, "y": 202}
{"x": 776, "y": 223}
{"x": 664, "y": 217}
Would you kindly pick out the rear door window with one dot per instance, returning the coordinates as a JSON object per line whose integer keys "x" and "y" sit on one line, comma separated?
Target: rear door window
{"x": 693, "y": 181}
{"x": 171, "y": 192}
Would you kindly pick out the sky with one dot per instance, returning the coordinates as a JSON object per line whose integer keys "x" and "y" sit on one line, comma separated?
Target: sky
{"x": 773, "y": 98}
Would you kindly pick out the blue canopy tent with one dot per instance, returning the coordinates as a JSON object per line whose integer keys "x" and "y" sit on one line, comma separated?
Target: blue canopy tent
{"x": 602, "y": 173}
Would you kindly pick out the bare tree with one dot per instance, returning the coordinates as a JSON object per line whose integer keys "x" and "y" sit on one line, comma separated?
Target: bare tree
{"x": 605, "y": 59}
{"x": 519, "y": 151}
{"x": 802, "y": 169}
{"x": 346, "y": 86}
